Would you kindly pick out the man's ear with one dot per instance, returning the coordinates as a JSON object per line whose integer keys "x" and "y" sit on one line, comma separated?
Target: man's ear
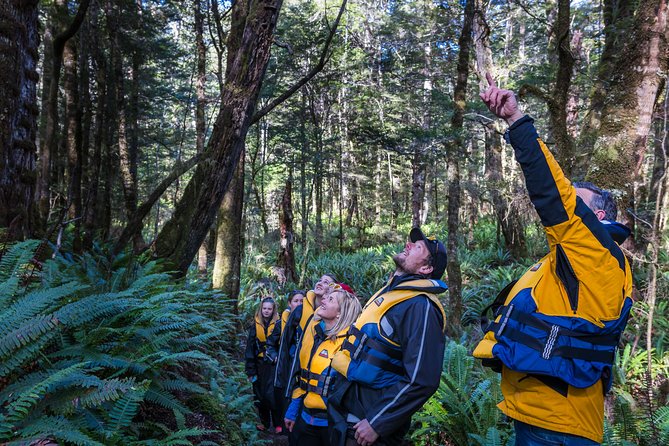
{"x": 601, "y": 214}
{"x": 425, "y": 270}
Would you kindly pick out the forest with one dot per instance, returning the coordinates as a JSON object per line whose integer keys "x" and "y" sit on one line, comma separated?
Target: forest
{"x": 166, "y": 164}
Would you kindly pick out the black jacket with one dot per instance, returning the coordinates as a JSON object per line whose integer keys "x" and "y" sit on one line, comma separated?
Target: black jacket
{"x": 417, "y": 327}
{"x": 279, "y": 345}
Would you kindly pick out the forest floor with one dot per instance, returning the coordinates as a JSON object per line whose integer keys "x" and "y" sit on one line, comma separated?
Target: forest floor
{"x": 276, "y": 440}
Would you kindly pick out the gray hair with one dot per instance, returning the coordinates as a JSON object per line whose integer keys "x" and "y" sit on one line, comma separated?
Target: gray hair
{"x": 602, "y": 199}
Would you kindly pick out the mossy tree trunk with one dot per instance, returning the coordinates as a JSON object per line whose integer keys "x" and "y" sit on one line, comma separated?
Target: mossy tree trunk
{"x": 19, "y": 39}
{"x": 618, "y": 23}
{"x": 248, "y": 45}
{"x": 627, "y": 114}
{"x": 229, "y": 237}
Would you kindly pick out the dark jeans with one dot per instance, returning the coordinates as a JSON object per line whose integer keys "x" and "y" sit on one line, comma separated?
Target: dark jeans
{"x": 528, "y": 435}
{"x": 305, "y": 434}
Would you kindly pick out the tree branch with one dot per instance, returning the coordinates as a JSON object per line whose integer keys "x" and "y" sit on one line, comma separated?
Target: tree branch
{"x": 537, "y": 92}
{"x": 527, "y": 11}
{"x": 60, "y": 40}
{"x": 135, "y": 222}
{"x": 315, "y": 70}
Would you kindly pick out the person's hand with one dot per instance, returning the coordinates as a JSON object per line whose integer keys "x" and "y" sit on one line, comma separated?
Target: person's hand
{"x": 365, "y": 434}
{"x": 501, "y": 102}
{"x": 289, "y": 424}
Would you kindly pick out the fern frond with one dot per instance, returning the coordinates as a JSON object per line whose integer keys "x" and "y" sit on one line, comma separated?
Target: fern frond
{"x": 125, "y": 409}
{"x": 28, "y": 353}
{"x": 180, "y": 385}
{"x": 108, "y": 390}
{"x": 16, "y": 257}
{"x": 35, "y": 303}
{"x": 59, "y": 428}
{"x": 21, "y": 406}
{"x": 29, "y": 331}
{"x": 166, "y": 400}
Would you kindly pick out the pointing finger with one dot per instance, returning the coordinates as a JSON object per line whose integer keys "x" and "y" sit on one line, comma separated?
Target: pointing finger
{"x": 490, "y": 80}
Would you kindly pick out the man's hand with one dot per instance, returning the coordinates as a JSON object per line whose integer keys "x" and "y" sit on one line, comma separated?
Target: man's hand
{"x": 501, "y": 102}
{"x": 290, "y": 424}
{"x": 365, "y": 434}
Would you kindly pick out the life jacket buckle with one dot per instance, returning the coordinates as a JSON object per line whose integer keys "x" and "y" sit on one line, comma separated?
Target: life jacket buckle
{"x": 505, "y": 319}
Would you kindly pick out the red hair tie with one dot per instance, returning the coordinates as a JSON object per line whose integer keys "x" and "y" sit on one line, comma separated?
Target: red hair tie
{"x": 346, "y": 288}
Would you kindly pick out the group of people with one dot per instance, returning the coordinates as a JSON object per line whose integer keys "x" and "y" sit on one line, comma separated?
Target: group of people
{"x": 332, "y": 372}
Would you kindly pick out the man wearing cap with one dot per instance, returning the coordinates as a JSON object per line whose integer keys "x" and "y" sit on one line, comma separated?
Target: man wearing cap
{"x": 391, "y": 361}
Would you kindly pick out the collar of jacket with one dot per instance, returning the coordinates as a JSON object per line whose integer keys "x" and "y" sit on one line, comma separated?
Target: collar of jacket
{"x": 618, "y": 231}
{"x": 436, "y": 286}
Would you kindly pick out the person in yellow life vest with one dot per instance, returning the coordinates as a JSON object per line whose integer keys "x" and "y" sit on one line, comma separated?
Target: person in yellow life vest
{"x": 555, "y": 331}
{"x": 306, "y": 416}
{"x": 258, "y": 369}
{"x": 295, "y": 299}
{"x": 283, "y": 347}
{"x": 391, "y": 361}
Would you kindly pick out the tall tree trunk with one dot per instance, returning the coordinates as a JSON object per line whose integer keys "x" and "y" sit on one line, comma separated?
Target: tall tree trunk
{"x": 200, "y": 125}
{"x": 394, "y": 211}
{"x": 556, "y": 100}
{"x": 249, "y": 43}
{"x": 377, "y": 187}
{"x": 50, "y": 142}
{"x": 229, "y": 235}
{"x": 508, "y": 220}
{"x": 127, "y": 153}
{"x": 286, "y": 258}
{"x": 419, "y": 163}
{"x": 91, "y": 221}
{"x": 18, "y": 116}
{"x": 303, "y": 170}
{"x": 97, "y": 213}
{"x": 72, "y": 134}
{"x": 454, "y": 155}
{"x": 86, "y": 113}
{"x": 627, "y": 114}
{"x": 617, "y": 28}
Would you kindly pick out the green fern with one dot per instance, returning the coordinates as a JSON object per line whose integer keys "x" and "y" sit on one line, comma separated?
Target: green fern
{"x": 84, "y": 352}
{"x": 125, "y": 409}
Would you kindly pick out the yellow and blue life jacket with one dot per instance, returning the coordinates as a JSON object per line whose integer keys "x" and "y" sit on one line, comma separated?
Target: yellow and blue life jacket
{"x": 316, "y": 353}
{"x": 369, "y": 357}
{"x": 577, "y": 351}
{"x": 261, "y": 335}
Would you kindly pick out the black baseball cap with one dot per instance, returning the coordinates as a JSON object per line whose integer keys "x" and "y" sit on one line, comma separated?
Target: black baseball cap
{"x": 437, "y": 251}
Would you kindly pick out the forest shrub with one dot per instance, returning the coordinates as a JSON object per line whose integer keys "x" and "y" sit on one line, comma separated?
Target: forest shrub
{"x": 99, "y": 352}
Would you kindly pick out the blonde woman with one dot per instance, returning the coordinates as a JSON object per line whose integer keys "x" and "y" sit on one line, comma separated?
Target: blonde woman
{"x": 259, "y": 370}
{"x": 306, "y": 416}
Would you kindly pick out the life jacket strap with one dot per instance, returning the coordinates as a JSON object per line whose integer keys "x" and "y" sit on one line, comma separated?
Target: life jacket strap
{"x": 309, "y": 375}
{"x": 528, "y": 319}
{"x": 548, "y": 349}
{"x": 374, "y": 344}
{"x": 321, "y": 390}
{"x": 262, "y": 347}
{"x": 364, "y": 356}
